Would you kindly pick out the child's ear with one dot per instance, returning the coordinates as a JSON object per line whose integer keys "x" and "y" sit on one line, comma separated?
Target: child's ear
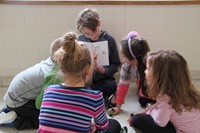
{"x": 99, "y": 23}
{"x": 88, "y": 70}
{"x": 135, "y": 62}
{"x": 88, "y": 74}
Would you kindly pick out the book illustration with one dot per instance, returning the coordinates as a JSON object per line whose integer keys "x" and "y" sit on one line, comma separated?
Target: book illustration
{"x": 101, "y": 49}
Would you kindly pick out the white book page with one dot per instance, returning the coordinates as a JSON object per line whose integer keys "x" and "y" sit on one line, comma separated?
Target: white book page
{"x": 101, "y": 49}
{"x": 88, "y": 44}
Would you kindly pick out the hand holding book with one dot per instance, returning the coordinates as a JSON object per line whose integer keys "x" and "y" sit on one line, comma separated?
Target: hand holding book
{"x": 97, "y": 67}
{"x": 101, "y": 51}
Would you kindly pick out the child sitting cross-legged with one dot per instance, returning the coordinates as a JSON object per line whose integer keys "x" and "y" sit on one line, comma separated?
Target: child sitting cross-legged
{"x": 177, "y": 107}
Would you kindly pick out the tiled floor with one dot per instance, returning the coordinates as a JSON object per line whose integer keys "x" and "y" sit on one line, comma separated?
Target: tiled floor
{"x": 131, "y": 105}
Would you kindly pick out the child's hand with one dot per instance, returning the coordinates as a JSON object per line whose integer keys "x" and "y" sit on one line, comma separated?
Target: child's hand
{"x": 94, "y": 55}
{"x": 97, "y": 67}
{"x": 144, "y": 111}
{"x": 130, "y": 120}
{"x": 114, "y": 111}
{"x": 93, "y": 128}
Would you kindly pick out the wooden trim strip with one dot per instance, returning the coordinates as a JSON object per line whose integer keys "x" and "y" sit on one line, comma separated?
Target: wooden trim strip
{"x": 100, "y": 2}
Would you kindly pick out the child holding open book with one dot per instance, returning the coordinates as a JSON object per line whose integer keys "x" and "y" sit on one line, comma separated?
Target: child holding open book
{"x": 88, "y": 23}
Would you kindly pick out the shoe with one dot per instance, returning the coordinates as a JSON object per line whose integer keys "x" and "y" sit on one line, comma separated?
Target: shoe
{"x": 8, "y": 124}
{"x": 110, "y": 101}
{"x": 7, "y": 118}
{"x": 124, "y": 130}
{"x": 4, "y": 109}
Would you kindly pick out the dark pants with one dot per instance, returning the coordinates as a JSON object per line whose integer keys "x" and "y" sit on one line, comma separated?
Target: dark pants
{"x": 145, "y": 124}
{"x": 107, "y": 87}
{"x": 144, "y": 100}
{"x": 114, "y": 126}
{"x": 27, "y": 116}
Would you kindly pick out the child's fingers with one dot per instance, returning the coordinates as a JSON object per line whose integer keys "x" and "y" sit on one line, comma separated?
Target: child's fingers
{"x": 117, "y": 111}
{"x": 93, "y": 128}
{"x": 130, "y": 119}
{"x": 94, "y": 53}
{"x": 113, "y": 111}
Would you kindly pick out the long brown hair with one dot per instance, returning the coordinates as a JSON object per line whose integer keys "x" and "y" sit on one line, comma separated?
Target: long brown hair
{"x": 139, "y": 48}
{"x": 171, "y": 77}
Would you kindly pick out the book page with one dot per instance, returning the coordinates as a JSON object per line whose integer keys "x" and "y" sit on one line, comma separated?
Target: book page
{"x": 101, "y": 49}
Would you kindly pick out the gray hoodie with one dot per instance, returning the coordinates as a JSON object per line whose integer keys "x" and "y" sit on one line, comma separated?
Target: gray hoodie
{"x": 27, "y": 85}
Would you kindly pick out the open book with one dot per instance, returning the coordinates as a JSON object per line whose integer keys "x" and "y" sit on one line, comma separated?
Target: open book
{"x": 101, "y": 50}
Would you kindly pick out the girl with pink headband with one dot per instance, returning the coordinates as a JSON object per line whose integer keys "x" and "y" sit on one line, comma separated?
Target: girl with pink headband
{"x": 133, "y": 49}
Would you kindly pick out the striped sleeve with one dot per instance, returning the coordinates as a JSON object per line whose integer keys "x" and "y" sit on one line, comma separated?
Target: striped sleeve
{"x": 100, "y": 117}
{"x": 125, "y": 78}
{"x": 161, "y": 112}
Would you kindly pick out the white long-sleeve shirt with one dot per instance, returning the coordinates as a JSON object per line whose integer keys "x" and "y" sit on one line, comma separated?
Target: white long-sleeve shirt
{"x": 185, "y": 122}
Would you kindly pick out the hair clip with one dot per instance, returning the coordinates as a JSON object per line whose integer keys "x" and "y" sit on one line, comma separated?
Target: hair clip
{"x": 132, "y": 34}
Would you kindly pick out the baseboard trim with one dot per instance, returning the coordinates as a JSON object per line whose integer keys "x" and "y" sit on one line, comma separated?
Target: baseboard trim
{"x": 5, "y": 80}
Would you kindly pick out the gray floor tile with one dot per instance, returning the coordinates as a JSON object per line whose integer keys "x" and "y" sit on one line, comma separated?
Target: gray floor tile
{"x": 131, "y": 106}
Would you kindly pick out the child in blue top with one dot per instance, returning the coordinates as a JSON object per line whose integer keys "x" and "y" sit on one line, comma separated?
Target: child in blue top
{"x": 88, "y": 23}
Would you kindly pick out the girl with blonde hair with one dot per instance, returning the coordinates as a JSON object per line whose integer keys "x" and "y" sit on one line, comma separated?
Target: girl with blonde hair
{"x": 70, "y": 106}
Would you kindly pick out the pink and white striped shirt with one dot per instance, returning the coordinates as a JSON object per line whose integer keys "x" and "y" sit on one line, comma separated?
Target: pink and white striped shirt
{"x": 185, "y": 122}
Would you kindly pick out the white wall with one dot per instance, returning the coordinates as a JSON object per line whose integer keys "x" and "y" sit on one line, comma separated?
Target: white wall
{"x": 26, "y": 31}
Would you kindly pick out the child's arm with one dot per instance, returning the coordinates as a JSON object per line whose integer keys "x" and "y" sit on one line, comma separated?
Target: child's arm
{"x": 49, "y": 79}
{"x": 93, "y": 128}
{"x": 114, "y": 60}
{"x": 121, "y": 93}
{"x": 38, "y": 100}
{"x": 161, "y": 112}
{"x": 122, "y": 88}
{"x": 100, "y": 118}
{"x": 97, "y": 67}
{"x": 124, "y": 82}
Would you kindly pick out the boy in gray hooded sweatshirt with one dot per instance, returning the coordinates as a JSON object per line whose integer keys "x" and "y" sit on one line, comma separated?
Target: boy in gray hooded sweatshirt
{"x": 23, "y": 91}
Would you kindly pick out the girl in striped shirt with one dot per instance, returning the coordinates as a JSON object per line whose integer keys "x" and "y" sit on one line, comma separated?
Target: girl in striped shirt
{"x": 177, "y": 107}
{"x": 69, "y": 107}
{"x": 133, "y": 49}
